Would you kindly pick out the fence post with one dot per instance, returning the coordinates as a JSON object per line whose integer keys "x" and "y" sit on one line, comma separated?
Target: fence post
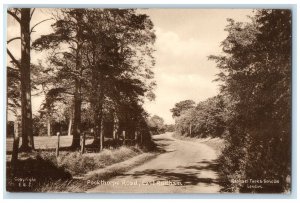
{"x": 57, "y": 146}
{"x": 82, "y": 144}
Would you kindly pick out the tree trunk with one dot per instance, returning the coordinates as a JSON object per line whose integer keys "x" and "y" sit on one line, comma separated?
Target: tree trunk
{"x": 98, "y": 134}
{"x": 115, "y": 127}
{"x": 77, "y": 99}
{"x": 100, "y": 120}
{"x": 97, "y": 123}
{"x": 136, "y": 138}
{"x": 82, "y": 143}
{"x": 77, "y": 116}
{"x": 101, "y": 134}
{"x": 70, "y": 126}
{"x": 27, "y": 132}
{"x": 98, "y": 102}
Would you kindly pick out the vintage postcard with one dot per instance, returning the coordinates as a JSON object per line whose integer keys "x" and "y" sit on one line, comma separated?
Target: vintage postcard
{"x": 149, "y": 100}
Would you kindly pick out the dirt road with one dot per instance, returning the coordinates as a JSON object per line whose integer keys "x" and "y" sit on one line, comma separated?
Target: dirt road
{"x": 184, "y": 167}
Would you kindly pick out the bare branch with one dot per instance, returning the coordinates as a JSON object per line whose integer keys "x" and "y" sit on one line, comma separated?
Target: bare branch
{"x": 14, "y": 15}
{"x": 39, "y": 23}
{"x": 88, "y": 59}
{"x": 9, "y": 67}
{"x": 12, "y": 39}
{"x": 32, "y": 13}
{"x": 70, "y": 54}
{"x": 74, "y": 49}
{"x": 13, "y": 59}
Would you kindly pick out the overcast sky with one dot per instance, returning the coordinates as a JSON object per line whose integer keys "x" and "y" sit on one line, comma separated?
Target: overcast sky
{"x": 185, "y": 38}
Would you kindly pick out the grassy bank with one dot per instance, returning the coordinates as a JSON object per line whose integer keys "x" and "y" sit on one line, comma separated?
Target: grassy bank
{"x": 83, "y": 183}
{"x": 42, "y": 171}
{"x": 78, "y": 164}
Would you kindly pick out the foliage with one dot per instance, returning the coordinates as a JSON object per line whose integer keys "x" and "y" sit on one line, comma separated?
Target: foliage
{"x": 256, "y": 73}
{"x": 103, "y": 59}
{"x": 206, "y": 119}
{"x": 169, "y": 127}
{"x": 13, "y": 89}
{"x": 182, "y": 106}
{"x": 156, "y": 125}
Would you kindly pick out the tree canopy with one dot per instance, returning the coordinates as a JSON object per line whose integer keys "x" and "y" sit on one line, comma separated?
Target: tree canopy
{"x": 256, "y": 73}
{"x": 181, "y": 107}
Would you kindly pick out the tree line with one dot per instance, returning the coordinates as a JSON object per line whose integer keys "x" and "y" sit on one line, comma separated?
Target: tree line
{"x": 253, "y": 109}
{"x": 95, "y": 77}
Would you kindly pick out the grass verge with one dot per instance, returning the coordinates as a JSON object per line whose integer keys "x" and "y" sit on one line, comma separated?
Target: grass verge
{"x": 84, "y": 183}
{"x": 218, "y": 144}
{"x": 43, "y": 172}
{"x": 78, "y": 164}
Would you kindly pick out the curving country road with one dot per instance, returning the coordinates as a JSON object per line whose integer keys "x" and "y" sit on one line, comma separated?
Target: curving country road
{"x": 184, "y": 167}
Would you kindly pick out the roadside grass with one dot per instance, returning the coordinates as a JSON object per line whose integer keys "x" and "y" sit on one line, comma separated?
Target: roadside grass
{"x": 67, "y": 172}
{"x": 78, "y": 164}
{"x": 31, "y": 171}
{"x": 82, "y": 184}
{"x": 218, "y": 144}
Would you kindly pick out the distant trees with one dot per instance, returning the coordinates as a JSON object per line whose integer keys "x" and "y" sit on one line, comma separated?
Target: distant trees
{"x": 156, "y": 125}
{"x": 169, "y": 127}
{"x": 206, "y": 119}
{"x": 182, "y": 106}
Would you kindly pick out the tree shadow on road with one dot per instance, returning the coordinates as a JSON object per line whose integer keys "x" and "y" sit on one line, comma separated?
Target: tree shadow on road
{"x": 186, "y": 175}
{"x": 162, "y": 144}
{"x": 204, "y": 165}
{"x": 187, "y": 178}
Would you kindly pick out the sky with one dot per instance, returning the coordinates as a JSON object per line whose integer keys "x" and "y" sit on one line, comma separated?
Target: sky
{"x": 185, "y": 39}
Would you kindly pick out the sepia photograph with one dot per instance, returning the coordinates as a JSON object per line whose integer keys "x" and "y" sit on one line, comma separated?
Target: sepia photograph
{"x": 148, "y": 100}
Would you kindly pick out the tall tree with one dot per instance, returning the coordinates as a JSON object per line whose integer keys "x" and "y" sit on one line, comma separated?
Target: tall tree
{"x": 68, "y": 31}
{"x": 119, "y": 57}
{"x": 108, "y": 60}
{"x": 23, "y": 17}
